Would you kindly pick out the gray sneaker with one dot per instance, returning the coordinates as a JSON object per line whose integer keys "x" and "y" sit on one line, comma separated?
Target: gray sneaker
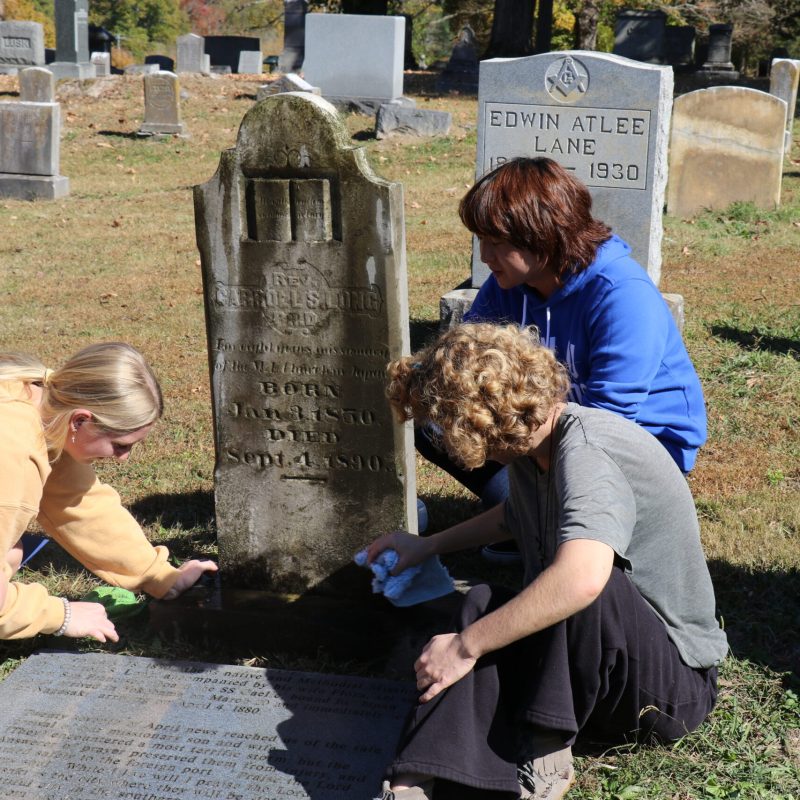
{"x": 547, "y": 777}
{"x": 424, "y": 791}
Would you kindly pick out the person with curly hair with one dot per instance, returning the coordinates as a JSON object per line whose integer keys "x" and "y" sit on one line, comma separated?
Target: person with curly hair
{"x": 613, "y": 636}
{"x": 555, "y": 266}
{"x": 55, "y": 423}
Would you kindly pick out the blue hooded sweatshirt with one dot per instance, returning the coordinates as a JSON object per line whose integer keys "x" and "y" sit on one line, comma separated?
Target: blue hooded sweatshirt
{"x": 612, "y": 329}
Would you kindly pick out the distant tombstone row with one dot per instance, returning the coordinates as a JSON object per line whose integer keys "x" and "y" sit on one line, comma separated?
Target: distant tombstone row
{"x": 30, "y": 143}
{"x": 21, "y": 45}
{"x": 234, "y": 54}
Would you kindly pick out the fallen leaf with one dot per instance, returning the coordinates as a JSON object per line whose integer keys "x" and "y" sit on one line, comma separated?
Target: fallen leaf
{"x": 116, "y": 224}
{"x": 104, "y": 298}
{"x": 686, "y": 251}
{"x": 415, "y": 204}
{"x": 105, "y": 144}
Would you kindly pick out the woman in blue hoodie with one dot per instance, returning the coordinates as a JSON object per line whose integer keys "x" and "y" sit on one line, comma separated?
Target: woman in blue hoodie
{"x": 556, "y": 267}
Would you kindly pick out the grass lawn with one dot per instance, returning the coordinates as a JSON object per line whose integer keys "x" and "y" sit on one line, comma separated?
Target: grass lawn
{"x": 117, "y": 260}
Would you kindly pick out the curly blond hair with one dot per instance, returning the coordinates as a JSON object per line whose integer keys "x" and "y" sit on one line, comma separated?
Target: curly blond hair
{"x": 485, "y": 387}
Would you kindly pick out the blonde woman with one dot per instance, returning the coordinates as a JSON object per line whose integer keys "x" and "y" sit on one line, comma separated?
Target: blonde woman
{"x": 53, "y": 425}
{"x": 613, "y": 634}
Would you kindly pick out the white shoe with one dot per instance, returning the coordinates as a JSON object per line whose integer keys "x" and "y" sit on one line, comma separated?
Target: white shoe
{"x": 547, "y": 777}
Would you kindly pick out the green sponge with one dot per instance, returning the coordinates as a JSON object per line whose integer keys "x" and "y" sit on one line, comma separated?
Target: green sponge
{"x": 119, "y": 603}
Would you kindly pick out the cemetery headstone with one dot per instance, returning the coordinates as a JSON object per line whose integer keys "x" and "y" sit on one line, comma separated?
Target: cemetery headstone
{"x": 726, "y": 146}
{"x": 191, "y": 54}
{"x": 355, "y": 56}
{"x": 303, "y": 261}
{"x": 640, "y": 35}
{"x": 165, "y": 63}
{"x": 21, "y": 45}
{"x": 37, "y": 85}
{"x": 162, "y": 108}
{"x": 251, "y": 62}
{"x": 29, "y": 151}
{"x": 568, "y": 106}
{"x": 783, "y": 82}
{"x": 461, "y": 72}
{"x": 72, "y": 40}
{"x": 96, "y": 726}
{"x": 396, "y": 119}
{"x": 224, "y": 51}
{"x": 286, "y": 83}
{"x": 102, "y": 64}
{"x": 679, "y": 45}
{"x": 141, "y": 69}
{"x": 294, "y": 35}
{"x": 718, "y": 58}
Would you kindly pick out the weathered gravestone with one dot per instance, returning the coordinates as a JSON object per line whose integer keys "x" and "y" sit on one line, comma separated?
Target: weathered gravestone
{"x": 250, "y": 62}
{"x": 604, "y": 117}
{"x": 462, "y": 70}
{"x": 37, "y": 85}
{"x": 21, "y": 45}
{"x": 679, "y": 45}
{"x": 96, "y": 726}
{"x": 396, "y": 119}
{"x": 640, "y": 35}
{"x": 162, "y": 105}
{"x": 165, "y": 63}
{"x": 72, "y": 40}
{"x": 102, "y": 64}
{"x": 286, "y": 83}
{"x": 294, "y": 35}
{"x": 726, "y": 146}
{"x": 718, "y": 60}
{"x": 225, "y": 51}
{"x": 355, "y": 56}
{"x": 783, "y": 82}
{"x": 191, "y": 54}
{"x": 29, "y": 151}
{"x": 303, "y": 261}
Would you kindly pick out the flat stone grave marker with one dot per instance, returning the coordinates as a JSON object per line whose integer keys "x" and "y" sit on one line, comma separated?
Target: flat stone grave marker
{"x": 604, "y": 117}
{"x": 95, "y": 726}
{"x": 303, "y": 259}
{"x": 37, "y": 85}
{"x": 355, "y": 55}
{"x": 726, "y": 147}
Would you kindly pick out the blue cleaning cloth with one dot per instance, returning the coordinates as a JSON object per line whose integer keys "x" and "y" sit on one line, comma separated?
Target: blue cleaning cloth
{"x": 425, "y": 581}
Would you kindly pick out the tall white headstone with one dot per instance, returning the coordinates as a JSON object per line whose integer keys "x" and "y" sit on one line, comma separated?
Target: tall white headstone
{"x": 604, "y": 117}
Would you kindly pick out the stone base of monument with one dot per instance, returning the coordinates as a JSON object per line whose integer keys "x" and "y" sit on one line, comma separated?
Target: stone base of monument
{"x": 161, "y": 129}
{"x": 33, "y": 187}
{"x": 366, "y": 627}
{"x": 393, "y": 118}
{"x": 83, "y": 70}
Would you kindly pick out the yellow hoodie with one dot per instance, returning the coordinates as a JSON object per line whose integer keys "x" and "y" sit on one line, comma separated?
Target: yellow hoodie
{"x": 83, "y": 515}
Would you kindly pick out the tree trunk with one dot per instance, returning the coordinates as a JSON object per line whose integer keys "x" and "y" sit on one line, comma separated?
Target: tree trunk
{"x": 512, "y": 27}
{"x": 586, "y": 22}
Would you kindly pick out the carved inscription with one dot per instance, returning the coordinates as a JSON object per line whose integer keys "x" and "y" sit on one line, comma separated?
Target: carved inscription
{"x": 194, "y": 731}
{"x": 281, "y": 210}
{"x": 604, "y": 147}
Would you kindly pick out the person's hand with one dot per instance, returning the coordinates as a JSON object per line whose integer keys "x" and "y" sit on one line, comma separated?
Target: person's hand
{"x": 411, "y": 549}
{"x": 444, "y": 661}
{"x": 90, "y": 619}
{"x": 188, "y": 574}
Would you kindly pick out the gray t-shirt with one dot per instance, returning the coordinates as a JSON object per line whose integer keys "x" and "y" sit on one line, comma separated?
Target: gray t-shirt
{"x": 612, "y": 481}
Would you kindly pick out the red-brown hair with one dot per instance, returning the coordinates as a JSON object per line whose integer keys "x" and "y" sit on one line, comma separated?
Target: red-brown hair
{"x": 535, "y": 204}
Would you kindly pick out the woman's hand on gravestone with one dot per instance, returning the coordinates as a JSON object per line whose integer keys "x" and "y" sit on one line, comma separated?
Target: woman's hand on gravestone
{"x": 411, "y": 549}
{"x": 444, "y": 661}
{"x": 90, "y": 619}
{"x": 188, "y": 574}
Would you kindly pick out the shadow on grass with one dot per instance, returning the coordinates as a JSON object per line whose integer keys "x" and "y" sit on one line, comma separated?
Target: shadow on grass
{"x": 423, "y": 332}
{"x": 753, "y": 340}
{"x": 190, "y": 512}
{"x": 121, "y": 134}
{"x": 761, "y": 614}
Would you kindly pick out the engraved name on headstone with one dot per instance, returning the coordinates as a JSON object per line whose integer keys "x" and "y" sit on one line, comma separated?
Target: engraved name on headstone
{"x": 303, "y": 260}
{"x": 162, "y": 112}
{"x": 569, "y": 106}
{"x": 98, "y": 726}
